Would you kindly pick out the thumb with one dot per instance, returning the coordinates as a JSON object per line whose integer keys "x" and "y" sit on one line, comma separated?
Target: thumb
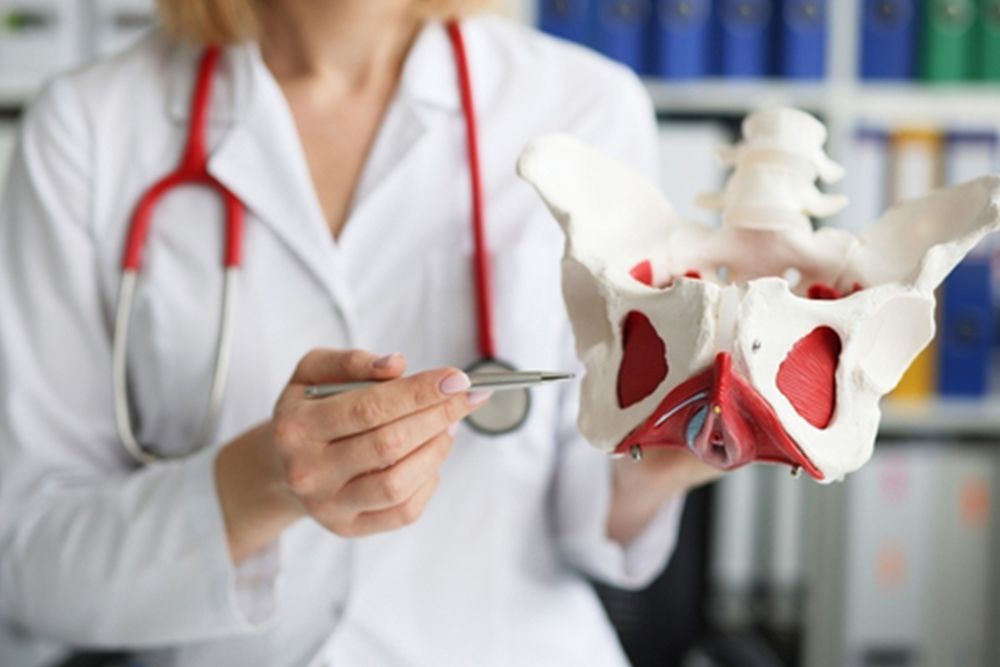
{"x": 324, "y": 365}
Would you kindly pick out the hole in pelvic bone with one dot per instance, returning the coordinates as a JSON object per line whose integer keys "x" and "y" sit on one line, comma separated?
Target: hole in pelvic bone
{"x": 643, "y": 272}
{"x": 644, "y": 360}
{"x": 823, "y": 292}
{"x": 690, "y": 275}
{"x": 793, "y": 276}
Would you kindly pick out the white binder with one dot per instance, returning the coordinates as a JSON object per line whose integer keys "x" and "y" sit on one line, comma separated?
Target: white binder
{"x": 866, "y": 180}
{"x": 114, "y": 25}
{"x": 735, "y": 541}
{"x": 37, "y": 39}
{"x": 689, "y": 165}
{"x": 969, "y": 154}
{"x": 918, "y": 575}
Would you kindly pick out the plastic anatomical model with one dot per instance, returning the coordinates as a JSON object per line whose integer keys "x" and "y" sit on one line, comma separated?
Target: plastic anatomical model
{"x": 762, "y": 340}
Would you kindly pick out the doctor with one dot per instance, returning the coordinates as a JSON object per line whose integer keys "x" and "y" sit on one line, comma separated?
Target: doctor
{"x": 370, "y": 528}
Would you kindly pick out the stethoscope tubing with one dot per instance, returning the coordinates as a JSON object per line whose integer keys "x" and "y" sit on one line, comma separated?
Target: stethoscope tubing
{"x": 193, "y": 170}
{"x": 220, "y": 371}
{"x": 481, "y": 258}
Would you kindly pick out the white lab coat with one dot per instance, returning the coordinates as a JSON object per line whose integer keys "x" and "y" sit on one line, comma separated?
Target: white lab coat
{"x": 95, "y": 551}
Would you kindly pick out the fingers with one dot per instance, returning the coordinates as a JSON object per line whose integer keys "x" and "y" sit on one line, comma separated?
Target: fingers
{"x": 322, "y": 366}
{"x": 348, "y": 414}
{"x": 367, "y": 460}
{"x": 390, "y": 443}
{"x": 398, "y": 483}
{"x": 399, "y": 516}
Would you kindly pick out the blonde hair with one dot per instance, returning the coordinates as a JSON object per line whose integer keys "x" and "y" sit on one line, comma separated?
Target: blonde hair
{"x": 233, "y": 21}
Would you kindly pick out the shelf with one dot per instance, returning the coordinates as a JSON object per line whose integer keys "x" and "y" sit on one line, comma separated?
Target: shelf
{"x": 16, "y": 97}
{"x": 914, "y": 102}
{"x": 897, "y": 103}
{"x": 941, "y": 418}
{"x": 735, "y": 96}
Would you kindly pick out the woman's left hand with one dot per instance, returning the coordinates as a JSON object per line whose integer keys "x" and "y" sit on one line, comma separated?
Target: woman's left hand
{"x": 641, "y": 488}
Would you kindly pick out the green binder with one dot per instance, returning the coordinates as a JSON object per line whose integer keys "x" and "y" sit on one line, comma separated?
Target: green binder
{"x": 989, "y": 40}
{"x": 948, "y": 36}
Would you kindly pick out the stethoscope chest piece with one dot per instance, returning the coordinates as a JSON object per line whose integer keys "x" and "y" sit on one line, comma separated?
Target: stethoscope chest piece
{"x": 506, "y": 411}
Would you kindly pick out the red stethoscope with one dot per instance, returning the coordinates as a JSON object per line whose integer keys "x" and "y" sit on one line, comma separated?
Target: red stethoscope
{"x": 505, "y": 412}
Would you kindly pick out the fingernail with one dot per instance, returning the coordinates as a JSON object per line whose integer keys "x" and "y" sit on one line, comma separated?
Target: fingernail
{"x": 384, "y": 361}
{"x": 454, "y": 383}
{"x": 477, "y": 397}
{"x": 453, "y": 429}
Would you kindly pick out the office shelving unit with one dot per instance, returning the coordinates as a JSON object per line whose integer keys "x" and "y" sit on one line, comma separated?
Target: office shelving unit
{"x": 845, "y": 102}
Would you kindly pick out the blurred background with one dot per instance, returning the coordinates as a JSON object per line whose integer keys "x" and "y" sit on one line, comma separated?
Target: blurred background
{"x": 898, "y": 565}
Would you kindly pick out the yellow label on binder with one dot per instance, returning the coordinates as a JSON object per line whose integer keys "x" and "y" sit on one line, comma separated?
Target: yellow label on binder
{"x": 920, "y": 379}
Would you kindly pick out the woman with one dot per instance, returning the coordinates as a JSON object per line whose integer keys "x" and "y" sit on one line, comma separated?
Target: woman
{"x": 339, "y": 126}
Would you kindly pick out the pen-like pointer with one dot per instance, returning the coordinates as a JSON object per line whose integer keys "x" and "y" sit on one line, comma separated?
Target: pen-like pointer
{"x": 480, "y": 382}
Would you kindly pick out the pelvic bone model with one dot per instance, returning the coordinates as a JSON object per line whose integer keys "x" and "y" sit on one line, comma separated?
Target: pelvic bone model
{"x": 762, "y": 340}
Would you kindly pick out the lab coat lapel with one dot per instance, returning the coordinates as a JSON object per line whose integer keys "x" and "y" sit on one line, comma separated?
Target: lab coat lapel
{"x": 390, "y": 190}
{"x": 260, "y": 160}
{"x": 401, "y": 131}
{"x": 427, "y": 87}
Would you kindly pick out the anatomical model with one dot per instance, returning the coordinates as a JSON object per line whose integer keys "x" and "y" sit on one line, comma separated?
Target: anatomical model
{"x": 763, "y": 339}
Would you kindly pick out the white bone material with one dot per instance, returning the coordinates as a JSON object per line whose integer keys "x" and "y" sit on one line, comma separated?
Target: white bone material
{"x": 756, "y": 269}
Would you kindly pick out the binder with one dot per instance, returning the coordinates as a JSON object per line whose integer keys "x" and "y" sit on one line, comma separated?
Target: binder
{"x": 970, "y": 154}
{"x": 917, "y": 580}
{"x": 37, "y": 39}
{"x": 865, "y": 184}
{"x": 802, "y": 38}
{"x": 682, "y": 39}
{"x": 619, "y": 30}
{"x": 889, "y": 39}
{"x": 946, "y": 46}
{"x": 116, "y": 24}
{"x": 958, "y": 623}
{"x": 887, "y": 573}
{"x": 736, "y": 542}
{"x": 968, "y": 329}
{"x": 564, "y": 18}
{"x": 915, "y": 168}
{"x": 987, "y": 40}
{"x": 784, "y": 566}
{"x": 747, "y": 28}
{"x": 689, "y": 164}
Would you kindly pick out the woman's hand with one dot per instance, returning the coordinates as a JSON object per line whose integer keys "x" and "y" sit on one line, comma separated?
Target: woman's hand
{"x": 640, "y": 489}
{"x": 361, "y": 462}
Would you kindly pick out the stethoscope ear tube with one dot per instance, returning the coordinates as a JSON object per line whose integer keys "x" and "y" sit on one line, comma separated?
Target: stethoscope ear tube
{"x": 193, "y": 170}
{"x": 119, "y": 369}
{"x": 119, "y": 361}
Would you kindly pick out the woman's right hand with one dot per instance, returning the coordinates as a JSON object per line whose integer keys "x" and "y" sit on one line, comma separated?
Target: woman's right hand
{"x": 361, "y": 462}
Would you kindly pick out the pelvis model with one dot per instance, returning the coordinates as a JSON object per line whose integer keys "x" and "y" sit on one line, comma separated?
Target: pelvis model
{"x": 762, "y": 340}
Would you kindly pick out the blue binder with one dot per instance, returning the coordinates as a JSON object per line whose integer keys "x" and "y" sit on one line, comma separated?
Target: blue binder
{"x": 802, "y": 35}
{"x": 682, "y": 39}
{"x": 619, "y": 30}
{"x": 968, "y": 329}
{"x": 889, "y": 38}
{"x": 747, "y": 27}
{"x": 564, "y": 18}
